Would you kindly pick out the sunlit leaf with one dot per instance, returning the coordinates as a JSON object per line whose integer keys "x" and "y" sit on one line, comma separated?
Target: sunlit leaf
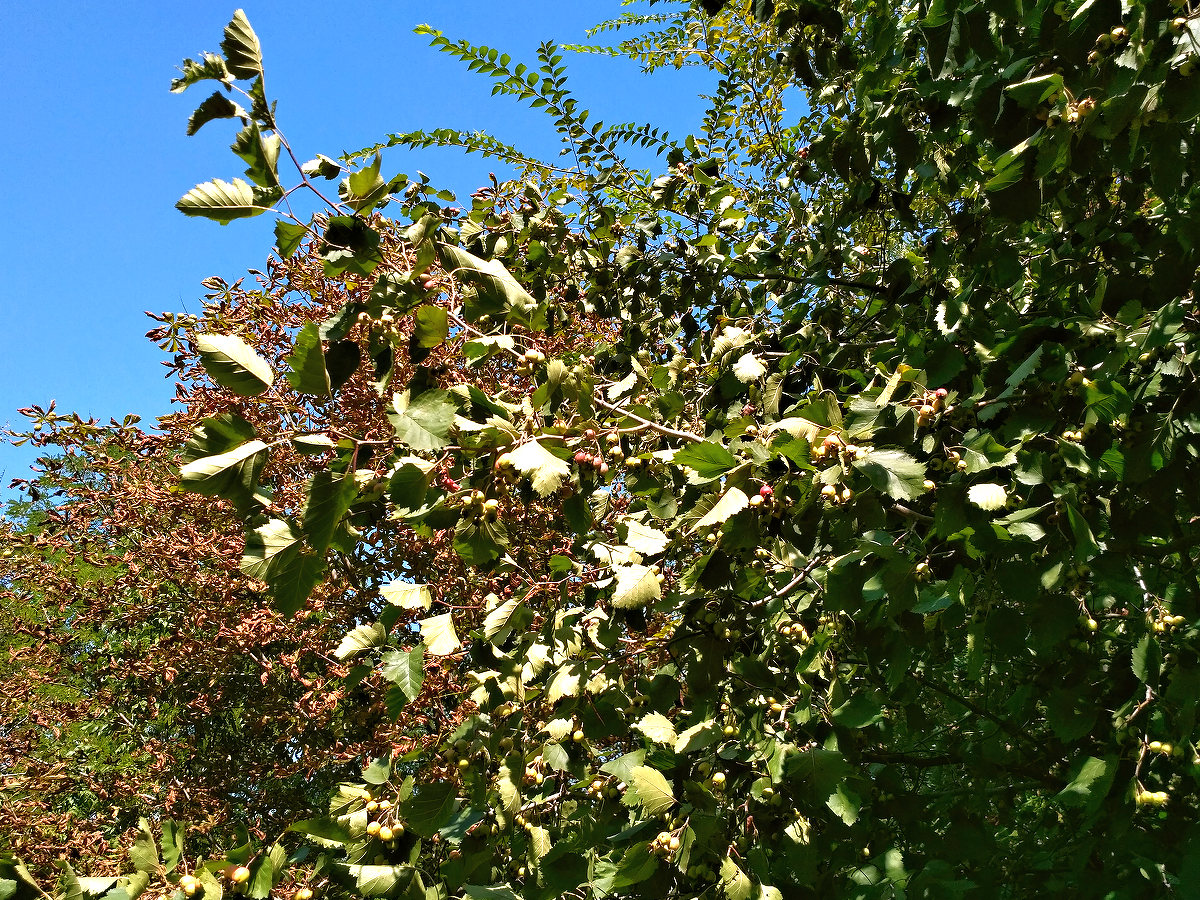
{"x": 544, "y": 470}
{"x": 987, "y": 496}
{"x": 732, "y": 502}
{"x": 224, "y": 201}
{"x": 637, "y": 585}
{"x": 233, "y": 364}
{"x": 439, "y": 635}
{"x": 644, "y": 539}
{"x": 749, "y": 368}
{"x": 657, "y": 728}
{"x": 649, "y": 789}
{"x": 407, "y": 596}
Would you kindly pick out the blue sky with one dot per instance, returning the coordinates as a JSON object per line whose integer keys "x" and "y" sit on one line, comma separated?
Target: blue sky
{"x": 97, "y": 157}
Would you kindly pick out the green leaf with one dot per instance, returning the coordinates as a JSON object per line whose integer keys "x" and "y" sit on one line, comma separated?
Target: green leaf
{"x": 306, "y": 362}
{"x": 431, "y": 326}
{"x": 439, "y": 635}
{"x": 732, "y": 502}
{"x": 698, "y": 737}
{"x": 409, "y": 485}
{"x": 133, "y": 886}
{"x": 243, "y": 53}
{"x": 820, "y": 770}
{"x": 734, "y": 882}
{"x": 845, "y": 804}
{"x": 1147, "y": 660}
{"x": 231, "y": 363}
{"x": 321, "y": 167}
{"x": 484, "y": 346}
{"x": 502, "y": 617}
{"x": 649, "y": 789}
{"x": 708, "y": 460}
{"x": 144, "y": 853}
{"x": 360, "y": 640}
{"x": 364, "y": 188}
{"x": 268, "y": 548}
{"x": 1031, "y": 92}
{"x": 295, "y": 580}
{"x": 232, "y": 475}
{"x": 1091, "y": 784}
{"x": 1085, "y": 541}
{"x": 479, "y": 542}
{"x": 97, "y": 886}
{"x": 398, "y": 882}
{"x": 749, "y": 368}
{"x": 341, "y": 361}
{"x": 171, "y": 843}
{"x": 337, "y": 326}
{"x": 210, "y": 68}
{"x": 215, "y": 435}
{"x": 406, "y": 670}
{"x": 893, "y": 472}
{"x": 261, "y": 154}
{"x": 288, "y": 237}
{"x": 635, "y": 866}
{"x": 859, "y": 711}
{"x": 1009, "y": 167}
{"x": 497, "y": 291}
{"x": 351, "y": 246}
{"x": 325, "y": 832}
{"x": 479, "y": 892}
{"x": 987, "y": 496}
{"x": 379, "y": 771}
{"x": 216, "y": 106}
{"x": 68, "y": 882}
{"x": 423, "y": 423}
{"x": 329, "y": 498}
{"x": 545, "y": 471}
{"x": 430, "y": 807}
{"x": 224, "y": 201}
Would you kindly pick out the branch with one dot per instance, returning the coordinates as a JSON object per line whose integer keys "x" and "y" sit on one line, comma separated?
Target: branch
{"x": 654, "y": 426}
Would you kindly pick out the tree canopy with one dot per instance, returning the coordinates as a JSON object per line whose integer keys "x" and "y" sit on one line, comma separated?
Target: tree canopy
{"x": 813, "y": 513}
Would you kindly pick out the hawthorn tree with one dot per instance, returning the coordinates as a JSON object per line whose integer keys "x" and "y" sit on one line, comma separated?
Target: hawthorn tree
{"x": 813, "y": 515}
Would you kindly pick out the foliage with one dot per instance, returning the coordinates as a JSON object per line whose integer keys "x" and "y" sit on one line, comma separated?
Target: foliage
{"x": 816, "y": 516}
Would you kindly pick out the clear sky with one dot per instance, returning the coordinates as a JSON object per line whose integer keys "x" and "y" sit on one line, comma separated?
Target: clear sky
{"x": 97, "y": 157}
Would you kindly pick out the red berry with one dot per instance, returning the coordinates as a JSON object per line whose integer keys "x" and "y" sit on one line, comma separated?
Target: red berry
{"x": 765, "y": 491}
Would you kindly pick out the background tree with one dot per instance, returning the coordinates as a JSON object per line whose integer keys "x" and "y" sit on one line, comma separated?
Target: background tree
{"x": 823, "y": 503}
